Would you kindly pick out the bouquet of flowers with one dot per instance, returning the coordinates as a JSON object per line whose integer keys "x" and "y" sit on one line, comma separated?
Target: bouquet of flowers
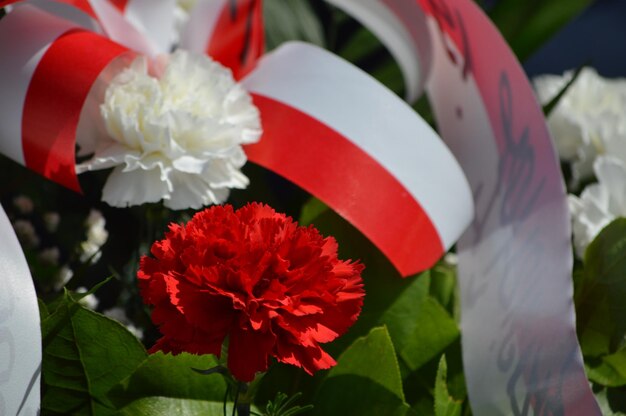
{"x": 295, "y": 207}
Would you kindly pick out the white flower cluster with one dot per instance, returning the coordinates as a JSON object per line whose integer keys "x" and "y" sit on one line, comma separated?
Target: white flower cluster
{"x": 89, "y": 301}
{"x": 97, "y": 235}
{"x": 588, "y": 120}
{"x": 23, "y": 204}
{"x": 589, "y": 129}
{"x": 175, "y": 137}
{"x": 26, "y": 233}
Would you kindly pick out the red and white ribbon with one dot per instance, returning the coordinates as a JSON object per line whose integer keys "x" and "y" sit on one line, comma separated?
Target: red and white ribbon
{"x": 41, "y": 114}
{"x": 345, "y": 138}
{"x": 394, "y": 22}
{"x": 370, "y": 136}
{"x": 520, "y": 349}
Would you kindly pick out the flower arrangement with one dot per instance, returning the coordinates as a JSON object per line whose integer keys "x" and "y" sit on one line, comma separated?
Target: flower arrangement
{"x": 164, "y": 124}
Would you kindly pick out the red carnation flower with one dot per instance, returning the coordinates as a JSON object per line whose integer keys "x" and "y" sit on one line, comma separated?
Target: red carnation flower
{"x": 274, "y": 288}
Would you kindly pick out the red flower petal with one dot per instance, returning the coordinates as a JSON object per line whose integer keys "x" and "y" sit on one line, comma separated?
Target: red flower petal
{"x": 274, "y": 288}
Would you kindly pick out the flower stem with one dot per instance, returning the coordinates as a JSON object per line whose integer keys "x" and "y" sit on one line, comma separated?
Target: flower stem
{"x": 242, "y": 400}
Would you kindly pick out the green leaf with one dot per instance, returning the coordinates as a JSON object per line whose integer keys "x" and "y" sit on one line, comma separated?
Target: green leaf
{"x": 43, "y": 309}
{"x": 600, "y": 293}
{"x": 443, "y": 287}
{"x": 283, "y": 405}
{"x": 366, "y": 380}
{"x": 291, "y": 20}
{"x": 424, "y": 405}
{"x": 445, "y": 405}
{"x": 528, "y": 24}
{"x": 167, "y": 406}
{"x": 85, "y": 354}
{"x": 170, "y": 375}
{"x": 609, "y": 371}
{"x": 375, "y": 347}
{"x": 400, "y": 315}
{"x": 435, "y": 331}
{"x": 312, "y": 209}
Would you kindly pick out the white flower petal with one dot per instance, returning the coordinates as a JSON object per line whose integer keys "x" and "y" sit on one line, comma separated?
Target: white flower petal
{"x": 599, "y": 203}
{"x": 192, "y": 191}
{"x": 111, "y": 155}
{"x": 567, "y": 135}
{"x": 587, "y": 221}
{"x": 611, "y": 173}
{"x": 221, "y": 174}
{"x": 189, "y": 164}
{"x": 139, "y": 186}
{"x": 582, "y": 165}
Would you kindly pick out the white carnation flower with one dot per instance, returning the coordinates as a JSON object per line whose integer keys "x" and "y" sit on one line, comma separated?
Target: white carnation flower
{"x": 600, "y": 203}
{"x": 176, "y": 137}
{"x": 587, "y": 118}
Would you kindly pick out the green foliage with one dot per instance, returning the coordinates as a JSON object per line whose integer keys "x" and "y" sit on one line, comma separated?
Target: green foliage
{"x": 366, "y": 380}
{"x": 600, "y": 292}
{"x": 85, "y": 354}
{"x": 283, "y": 405}
{"x": 434, "y": 332}
{"x": 291, "y": 20}
{"x": 167, "y": 375}
{"x": 167, "y": 406}
{"x": 93, "y": 366}
{"x": 445, "y": 405}
{"x": 528, "y": 24}
{"x": 312, "y": 209}
{"x": 609, "y": 370}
